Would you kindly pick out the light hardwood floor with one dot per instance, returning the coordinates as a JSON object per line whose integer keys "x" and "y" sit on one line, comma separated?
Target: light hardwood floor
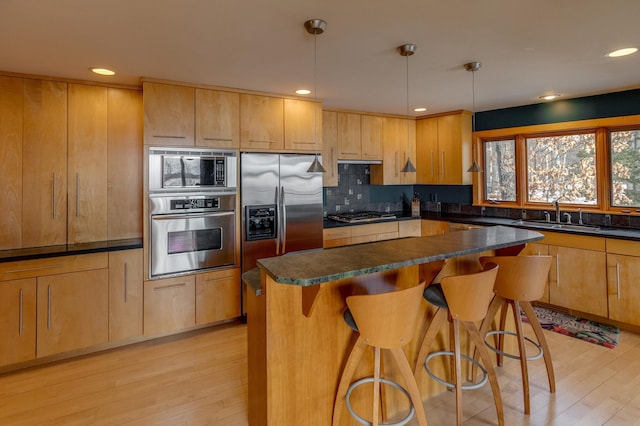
{"x": 200, "y": 378}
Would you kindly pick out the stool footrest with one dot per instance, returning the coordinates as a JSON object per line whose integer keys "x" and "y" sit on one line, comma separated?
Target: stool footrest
{"x": 387, "y": 382}
{"x": 508, "y": 355}
{"x": 472, "y": 386}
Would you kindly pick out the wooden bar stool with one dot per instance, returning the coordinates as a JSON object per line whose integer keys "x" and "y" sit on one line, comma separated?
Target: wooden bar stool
{"x": 520, "y": 280}
{"x": 383, "y": 321}
{"x": 461, "y": 299}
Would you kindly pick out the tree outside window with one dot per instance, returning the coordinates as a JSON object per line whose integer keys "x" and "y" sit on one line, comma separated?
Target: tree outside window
{"x": 625, "y": 168}
{"x": 562, "y": 168}
{"x": 500, "y": 170}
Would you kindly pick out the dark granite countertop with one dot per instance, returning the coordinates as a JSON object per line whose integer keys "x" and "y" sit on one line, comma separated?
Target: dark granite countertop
{"x": 311, "y": 268}
{"x": 69, "y": 249}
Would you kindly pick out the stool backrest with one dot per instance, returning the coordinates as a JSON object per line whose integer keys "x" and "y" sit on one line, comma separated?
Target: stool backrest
{"x": 468, "y": 296}
{"x": 387, "y": 320}
{"x": 520, "y": 277}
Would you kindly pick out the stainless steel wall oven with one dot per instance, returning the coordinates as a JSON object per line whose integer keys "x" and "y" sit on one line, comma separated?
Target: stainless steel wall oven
{"x": 192, "y": 210}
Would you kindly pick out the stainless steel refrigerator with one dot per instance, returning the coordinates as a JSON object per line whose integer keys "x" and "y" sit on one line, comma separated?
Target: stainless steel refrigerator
{"x": 281, "y": 206}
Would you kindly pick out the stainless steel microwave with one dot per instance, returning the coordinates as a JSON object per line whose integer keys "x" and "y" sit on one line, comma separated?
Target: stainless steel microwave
{"x": 189, "y": 169}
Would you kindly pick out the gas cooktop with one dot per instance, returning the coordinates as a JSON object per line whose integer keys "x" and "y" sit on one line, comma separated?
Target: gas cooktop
{"x": 356, "y": 217}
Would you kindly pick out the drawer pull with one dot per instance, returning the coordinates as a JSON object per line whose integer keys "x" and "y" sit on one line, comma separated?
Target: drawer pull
{"x": 165, "y": 287}
{"x": 15, "y": 271}
{"x": 169, "y": 137}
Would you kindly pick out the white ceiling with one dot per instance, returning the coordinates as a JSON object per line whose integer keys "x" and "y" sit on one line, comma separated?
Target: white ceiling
{"x": 527, "y": 47}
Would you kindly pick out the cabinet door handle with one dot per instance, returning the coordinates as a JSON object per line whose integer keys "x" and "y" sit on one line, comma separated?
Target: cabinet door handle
{"x": 618, "y": 278}
{"x": 218, "y": 139}
{"x": 126, "y": 282}
{"x": 558, "y": 270}
{"x": 396, "y": 163}
{"x": 333, "y": 173}
{"x": 54, "y": 195}
{"x": 20, "y": 316}
{"x": 77, "y": 193}
{"x": 262, "y": 141}
{"x": 442, "y": 171}
{"x": 166, "y": 287}
{"x": 169, "y": 137}
{"x": 432, "y": 168}
{"x": 48, "y": 307}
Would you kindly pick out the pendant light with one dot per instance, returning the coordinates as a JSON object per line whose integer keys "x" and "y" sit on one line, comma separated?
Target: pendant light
{"x": 315, "y": 27}
{"x": 407, "y": 50}
{"x": 473, "y": 67}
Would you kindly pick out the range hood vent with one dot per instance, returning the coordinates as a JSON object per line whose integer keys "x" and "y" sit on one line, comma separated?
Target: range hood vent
{"x": 359, "y": 162}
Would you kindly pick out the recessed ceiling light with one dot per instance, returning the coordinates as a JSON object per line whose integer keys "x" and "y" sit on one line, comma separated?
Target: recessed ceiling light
{"x": 303, "y": 91}
{"x": 102, "y": 71}
{"x": 420, "y": 109}
{"x": 622, "y": 52}
{"x": 549, "y": 97}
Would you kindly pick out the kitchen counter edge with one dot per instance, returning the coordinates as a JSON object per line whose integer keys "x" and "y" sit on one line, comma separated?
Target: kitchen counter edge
{"x": 69, "y": 249}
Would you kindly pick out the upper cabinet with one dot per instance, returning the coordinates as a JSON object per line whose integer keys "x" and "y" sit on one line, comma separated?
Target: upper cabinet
{"x": 330, "y": 148}
{"x": 261, "y": 123}
{"x": 302, "y": 125}
{"x": 217, "y": 119}
{"x": 44, "y": 164}
{"x": 11, "y": 119}
{"x": 371, "y": 137}
{"x": 349, "y": 133}
{"x": 444, "y": 149}
{"x": 87, "y": 170}
{"x": 169, "y": 114}
{"x": 399, "y": 138}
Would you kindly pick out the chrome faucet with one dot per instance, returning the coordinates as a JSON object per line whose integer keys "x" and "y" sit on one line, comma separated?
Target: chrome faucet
{"x": 580, "y": 217}
{"x": 547, "y": 216}
{"x": 568, "y": 216}
{"x": 556, "y": 204}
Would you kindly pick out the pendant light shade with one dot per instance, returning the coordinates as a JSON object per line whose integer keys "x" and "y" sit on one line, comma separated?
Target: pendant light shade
{"x": 473, "y": 67}
{"x": 407, "y": 50}
{"x": 315, "y": 27}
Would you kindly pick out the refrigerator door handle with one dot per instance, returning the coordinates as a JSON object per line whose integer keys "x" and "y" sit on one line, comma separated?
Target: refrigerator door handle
{"x": 278, "y": 216}
{"x": 284, "y": 220}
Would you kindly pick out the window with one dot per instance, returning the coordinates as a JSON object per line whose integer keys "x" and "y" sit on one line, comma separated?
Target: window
{"x": 625, "y": 168}
{"x": 500, "y": 170}
{"x": 562, "y": 168}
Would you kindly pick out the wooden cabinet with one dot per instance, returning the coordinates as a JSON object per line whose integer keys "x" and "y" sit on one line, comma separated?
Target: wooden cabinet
{"x": 356, "y": 234}
{"x": 44, "y": 164}
{"x": 444, "y": 149}
{"x": 217, "y": 119}
{"x": 330, "y": 148}
{"x": 261, "y": 123}
{"x": 409, "y": 228}
{"x": 169, "y": 305}
{"x": 302, "y": 125}
{"x": 87, "y": 168}
{"x": 169, "y": 114}
{"x": 371, "y": 137}
{"x": 623, "y": 270}
{"x": 349, "y": 133}
{"x": 536, "y": 249}
{"x": 217, "y": 296}
{"x": 578, "y": 276}
{"x": 434, "y": 227}
{"x": 72, "y": 311}
{"x": 398, "y": 143}
{"x": 125, "y": 294}
{"x": 17, "y": 321}
{"x": 11, "y": 123}
{"x": 124, "y": 164}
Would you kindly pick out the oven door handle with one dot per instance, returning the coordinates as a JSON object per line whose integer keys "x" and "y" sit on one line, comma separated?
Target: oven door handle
{"x": 191, "y": 215}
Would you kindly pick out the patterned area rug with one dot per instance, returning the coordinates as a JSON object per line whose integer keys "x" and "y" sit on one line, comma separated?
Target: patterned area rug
{"x": 580, "y": 328}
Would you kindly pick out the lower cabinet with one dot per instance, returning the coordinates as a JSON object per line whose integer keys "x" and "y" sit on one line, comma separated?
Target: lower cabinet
{"x": 356, "y": 234}
{"x": 434, "y": 227}
{"x": 409, "y": 228}
{"x": 72, "y": 311}
{"x": 535, "y": 249}
{"x": 169, "y": 305}
{"x": 17, "y": 321}
{"x": 125, "y": 294}
{"x": 623, "y": 270}
{"x": 217, "y": 296}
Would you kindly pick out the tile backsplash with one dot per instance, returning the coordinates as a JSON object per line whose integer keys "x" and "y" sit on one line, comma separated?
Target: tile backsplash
{"x": 353, "y": 193}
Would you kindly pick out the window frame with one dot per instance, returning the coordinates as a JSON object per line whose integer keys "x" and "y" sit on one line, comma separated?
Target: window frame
{"x": 601, "y": 127}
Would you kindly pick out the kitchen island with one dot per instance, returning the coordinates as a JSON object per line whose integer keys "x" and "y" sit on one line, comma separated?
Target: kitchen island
{"x": 297, "y": 339}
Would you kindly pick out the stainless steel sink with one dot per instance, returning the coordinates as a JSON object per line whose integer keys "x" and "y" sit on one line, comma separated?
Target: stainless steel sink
{"x": 554, "y": 225}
